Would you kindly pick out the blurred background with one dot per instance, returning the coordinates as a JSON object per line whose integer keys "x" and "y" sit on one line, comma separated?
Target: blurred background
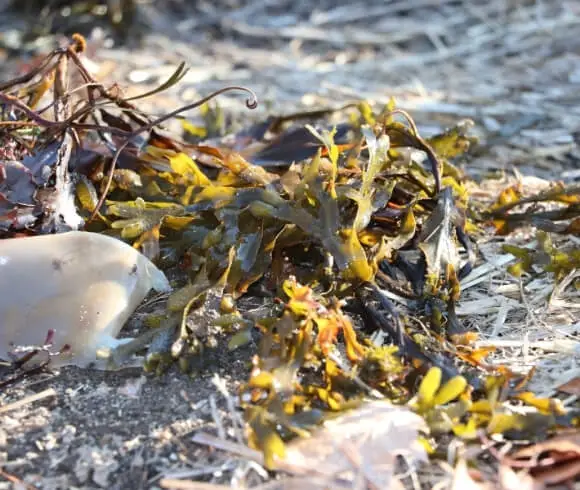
{"x": 513, "y": 66}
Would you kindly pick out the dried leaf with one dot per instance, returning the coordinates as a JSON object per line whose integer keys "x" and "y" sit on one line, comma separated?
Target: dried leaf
{"x": 367, "y": 439}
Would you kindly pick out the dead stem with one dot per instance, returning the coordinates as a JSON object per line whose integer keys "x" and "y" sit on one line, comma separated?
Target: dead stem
{"x": 251, "y": 103}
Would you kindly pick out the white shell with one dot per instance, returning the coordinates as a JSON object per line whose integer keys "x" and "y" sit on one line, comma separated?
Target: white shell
{"x": 83, "y": 286}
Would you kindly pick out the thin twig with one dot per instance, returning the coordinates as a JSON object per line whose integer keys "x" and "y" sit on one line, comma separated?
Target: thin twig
{"x": 48, "y": 393}
{"x": 16, "y": 481}
{"x": 251, "y": 103}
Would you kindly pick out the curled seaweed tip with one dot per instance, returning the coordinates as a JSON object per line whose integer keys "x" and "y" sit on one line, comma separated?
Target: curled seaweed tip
{"x": 251, "y": 101}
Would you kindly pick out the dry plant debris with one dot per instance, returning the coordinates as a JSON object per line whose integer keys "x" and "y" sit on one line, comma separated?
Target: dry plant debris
{"x": 359, "y": 239}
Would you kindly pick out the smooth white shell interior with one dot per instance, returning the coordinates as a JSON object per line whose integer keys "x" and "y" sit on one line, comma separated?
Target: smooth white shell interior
{"x": 82, "y": 286}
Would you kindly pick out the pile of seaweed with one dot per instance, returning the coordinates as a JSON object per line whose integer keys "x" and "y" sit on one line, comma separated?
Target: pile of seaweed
{"x": 352, "y": 239}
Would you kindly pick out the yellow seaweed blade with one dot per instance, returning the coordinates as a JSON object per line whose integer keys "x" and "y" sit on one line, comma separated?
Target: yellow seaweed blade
{"x": 450, "y": 390}
{"x": 429, "y": 386}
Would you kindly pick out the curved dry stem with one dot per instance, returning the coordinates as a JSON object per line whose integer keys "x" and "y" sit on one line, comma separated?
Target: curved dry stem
{"x": 418, "y": 142}
{"x": 435, "y": 165}
{"x": 37, "y": 120}
{"x": 251, "y": 103}
{"x": 407, "y": 117}
{"x": 32, "y": 73}
{"x": 32, "y": 115}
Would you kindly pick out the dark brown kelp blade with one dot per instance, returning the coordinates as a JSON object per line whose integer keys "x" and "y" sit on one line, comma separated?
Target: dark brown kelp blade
{"x": 294, "y": 145}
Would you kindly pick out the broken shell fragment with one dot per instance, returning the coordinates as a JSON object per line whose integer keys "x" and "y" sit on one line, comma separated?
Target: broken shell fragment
{"x": 77, "y": 289}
